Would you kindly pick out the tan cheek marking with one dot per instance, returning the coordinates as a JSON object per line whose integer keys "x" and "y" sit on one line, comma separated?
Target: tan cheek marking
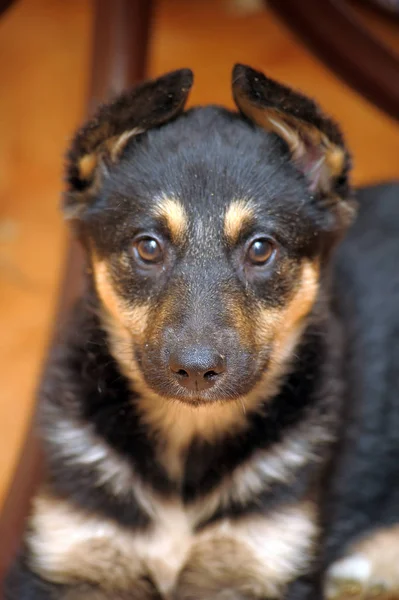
{"x": 256, "y": 554}
{"x": 277, "y": 326}
{"x": 281, "y": 329}
{"x": 105, "y": 290}
{"x": 172, "y": 212}
{"x": 132, "y": 318}
{"x": 239, "y": 213}
{"x": 267, "y": 323}
{"x": 305, "y": 295}
{"x": 242, "y": 321}
{"x": 300, "y": 306}
{"x": 123, "y": 323}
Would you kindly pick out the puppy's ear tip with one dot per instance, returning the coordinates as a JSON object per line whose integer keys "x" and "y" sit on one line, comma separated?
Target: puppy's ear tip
{"x": 239, "y": 67}
{"x": 248, "y": 82}
{"x": 242, "y": 73}
{"x": 185, "y": 77}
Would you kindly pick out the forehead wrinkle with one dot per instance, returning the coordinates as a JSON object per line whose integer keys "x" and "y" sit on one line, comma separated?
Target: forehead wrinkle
{"x": 238, "y": 215}
{"x": 172, "y": 213}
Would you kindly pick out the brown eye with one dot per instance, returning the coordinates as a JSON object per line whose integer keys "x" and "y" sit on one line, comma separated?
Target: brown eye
{"x": 149, "y": 250}
{"x": 260, "y": 251}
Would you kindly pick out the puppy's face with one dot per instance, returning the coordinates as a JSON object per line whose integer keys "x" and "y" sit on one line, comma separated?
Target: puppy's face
{"x": 207, "y": 239}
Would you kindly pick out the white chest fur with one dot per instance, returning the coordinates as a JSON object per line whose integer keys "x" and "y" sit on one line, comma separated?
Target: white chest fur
{"x": 67, "y": 545}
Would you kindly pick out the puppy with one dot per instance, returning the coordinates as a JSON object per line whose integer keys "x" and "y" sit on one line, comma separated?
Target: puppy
{"x": 189, "y": 410}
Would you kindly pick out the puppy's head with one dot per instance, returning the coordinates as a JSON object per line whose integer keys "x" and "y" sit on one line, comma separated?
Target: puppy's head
{"x": 208, "y": 231}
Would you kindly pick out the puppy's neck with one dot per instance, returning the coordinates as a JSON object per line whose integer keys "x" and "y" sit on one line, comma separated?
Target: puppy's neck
{"x": 175, "y": 425}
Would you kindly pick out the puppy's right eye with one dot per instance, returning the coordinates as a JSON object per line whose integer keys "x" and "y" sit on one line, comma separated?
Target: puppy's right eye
{"x": 148, "y": 250}
{"x": 260, "y": 251}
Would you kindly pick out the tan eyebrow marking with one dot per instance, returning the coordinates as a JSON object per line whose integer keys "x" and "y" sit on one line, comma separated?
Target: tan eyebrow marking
{"x": 172, "y": 212}
{"x": 239, "y": 214}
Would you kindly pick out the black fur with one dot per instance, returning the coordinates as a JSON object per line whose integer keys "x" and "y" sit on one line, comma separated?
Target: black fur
{"x": 364, "y": 493}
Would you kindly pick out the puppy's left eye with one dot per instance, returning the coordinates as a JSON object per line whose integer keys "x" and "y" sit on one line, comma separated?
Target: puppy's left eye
{"x": 260, "y": 251}
{"x": 148, "y": 250}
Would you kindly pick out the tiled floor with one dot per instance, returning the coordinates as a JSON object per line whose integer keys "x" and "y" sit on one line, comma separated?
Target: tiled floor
{"x": 44, "y": 61}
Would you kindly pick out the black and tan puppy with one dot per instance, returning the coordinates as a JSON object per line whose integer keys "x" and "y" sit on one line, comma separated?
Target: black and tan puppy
{"x": 189, "y": 408}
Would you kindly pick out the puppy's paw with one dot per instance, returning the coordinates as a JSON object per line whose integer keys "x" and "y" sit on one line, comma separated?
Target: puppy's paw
{"x": 219, "y": 569}
{"x": 370, "y": 571}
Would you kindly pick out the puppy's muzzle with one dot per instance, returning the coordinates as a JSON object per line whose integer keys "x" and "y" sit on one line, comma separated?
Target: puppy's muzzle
{"x": 197, "y": 368}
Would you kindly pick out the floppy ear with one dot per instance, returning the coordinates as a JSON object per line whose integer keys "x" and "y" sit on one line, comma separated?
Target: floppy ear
{"x": 315, "y": 142}
{"x": 106, "y": 135}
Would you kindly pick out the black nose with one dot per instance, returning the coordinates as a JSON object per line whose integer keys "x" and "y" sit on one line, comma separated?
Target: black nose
{"x": 197, "y": 368}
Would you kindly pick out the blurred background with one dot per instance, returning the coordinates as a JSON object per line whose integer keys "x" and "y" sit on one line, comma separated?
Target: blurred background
{"x": 45, "y": 48}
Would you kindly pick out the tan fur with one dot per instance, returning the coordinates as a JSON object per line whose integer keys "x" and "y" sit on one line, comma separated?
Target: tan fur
{"x": 238, "y": 214}
{"x": 86, "y": 166}
{"x": 125, "y": 324}
{"x": 281, "y": 329}
{"x": 370, "y": 568}
{"x": 255, "y": 555}
{"x": 117, "y": 144}
{"x": 279, "y": 326}
{"x": 124, "y": 321}
{"x": 68, "y": 545}
{"x": 335, "y": 160}
{"x": 172, "y": 212}
{"x": 382, "y": 550}
{"x": 291, "y": 318}
{"x": 243, "y": 321}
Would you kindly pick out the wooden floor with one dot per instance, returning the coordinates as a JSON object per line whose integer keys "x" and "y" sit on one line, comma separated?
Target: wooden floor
{"x": 44, "y": 62}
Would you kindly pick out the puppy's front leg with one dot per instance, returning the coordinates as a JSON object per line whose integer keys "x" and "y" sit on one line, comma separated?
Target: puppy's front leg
{"x": 251, "y": 558}
{"x": 23, "y": 584}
